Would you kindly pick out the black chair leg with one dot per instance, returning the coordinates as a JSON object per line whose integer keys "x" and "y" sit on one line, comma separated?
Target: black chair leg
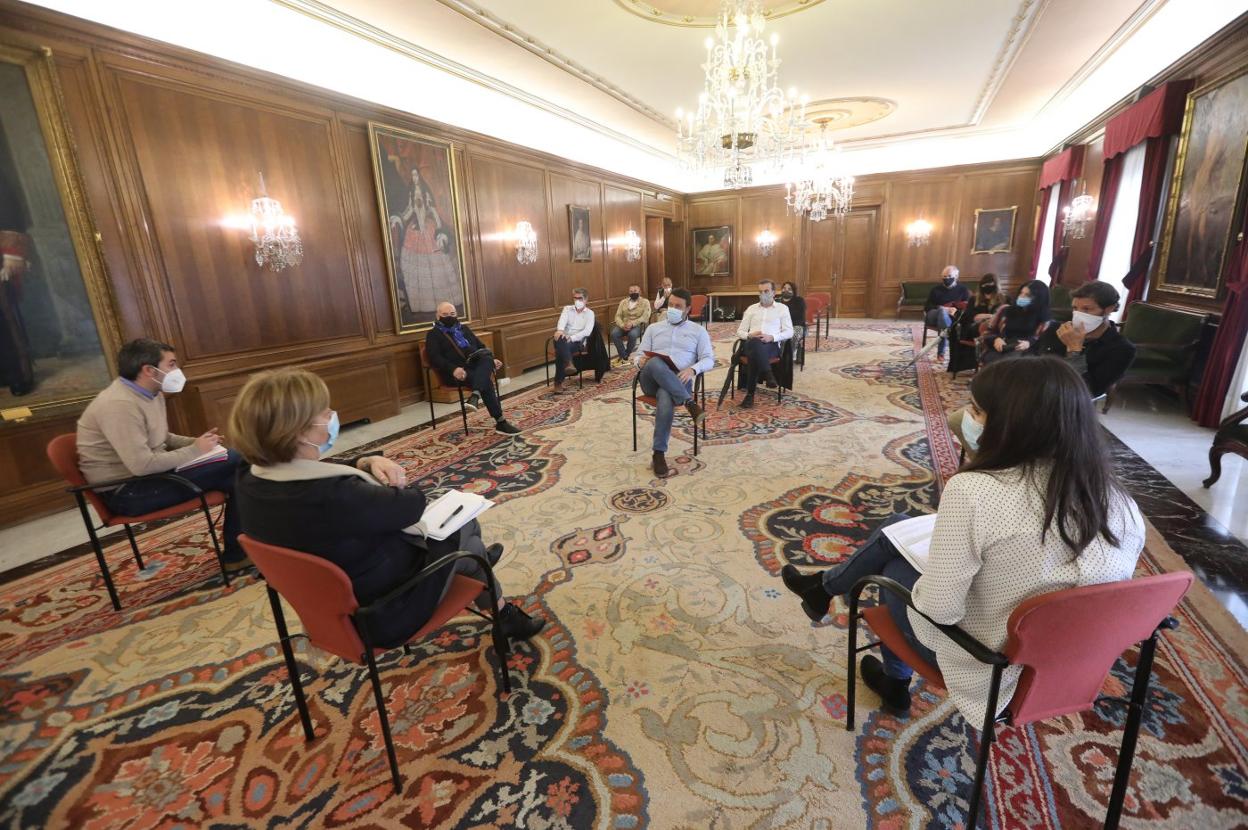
{"x": 1215, "y": 466}
{"x": 985, "y": 747}
{"x": 502, "y": 648}
{"x": 216, "y": 545}
{"x": 1131, "y": 731}
{"x": 384, "y": 718}
{"x": 463, "y": 410}
{"x": 429, "y": 385}
{"x": 851, "y": 667}
{"x": 99, "y": 551}
{"x": 134, "y": 546}
{"x": 292, "y": 668}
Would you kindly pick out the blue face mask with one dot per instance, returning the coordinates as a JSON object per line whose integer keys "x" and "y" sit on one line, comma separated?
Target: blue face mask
{"x": 332, "y": 427}
{"x": 1023, "y": 302}
{"x": 675, "y": 316}
{"x": 972, "y": 431}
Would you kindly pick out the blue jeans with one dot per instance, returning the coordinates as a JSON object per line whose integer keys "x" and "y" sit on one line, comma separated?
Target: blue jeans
{"x": 564, "y": 349}
{"x": 151, "y": 495}
{"x": 617, "y": 338}
{"x": 658, "y": 379}
{"x": 878, "y": 557}
{"x": 939, "y": 319}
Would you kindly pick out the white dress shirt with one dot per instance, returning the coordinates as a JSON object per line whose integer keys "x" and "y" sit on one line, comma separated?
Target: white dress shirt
{"x": 986, "y": 557}
{"x": 576, "y": 325}
{"x": 773, "y": 319}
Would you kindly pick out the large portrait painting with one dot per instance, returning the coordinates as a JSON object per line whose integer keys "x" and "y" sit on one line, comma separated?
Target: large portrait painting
{"x": 1203, "y": 192}
{"x": 994, "y": 230}
{"x": 578, "y": 233}
{"x": 416, "y": 193}
{"x": 712, "y": 251}
{"x": 57, "y": 326}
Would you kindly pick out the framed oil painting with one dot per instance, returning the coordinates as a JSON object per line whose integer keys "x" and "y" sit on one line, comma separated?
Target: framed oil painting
{"x": 415, "y": 178}
{"x": 1200, "y": 213}
{"x": 994, "y": 230}
{"x": 712, "y": 251}
{"x": 58, "y": 330}
{"x": 578, "y": 234}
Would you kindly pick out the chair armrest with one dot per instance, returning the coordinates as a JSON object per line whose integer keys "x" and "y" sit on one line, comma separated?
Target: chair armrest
{"x": 965, "y": 641}
{"x": 420, "y": 576}
{"x": 1169, "y": 347}
{"x": 174, "y": 477}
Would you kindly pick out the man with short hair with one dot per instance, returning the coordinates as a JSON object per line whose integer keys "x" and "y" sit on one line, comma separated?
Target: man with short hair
{"x": 1091, "y": 341}
{"x": 124, "y": 432}
{"x": 576, "y": 322}
{"x": 688, "y": 346}
{"x": 461, "y": 359}
{"x": 632, "y": 311}
{"x": 764, "y": 326}
{"x": 939, "y": 309}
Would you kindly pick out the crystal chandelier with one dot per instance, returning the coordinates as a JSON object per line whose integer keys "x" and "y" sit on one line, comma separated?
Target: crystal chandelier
{"x": 743, "y": 117}
{"x": 1077, "y": 216}
{"x": 918, "y": 233}
{"x": 274, "y": 234}
{"x": 526, "y": 243}
{"x": 822, "y": 189}
{"x": 632, "y": 246}
{"x": 766, "y": 242}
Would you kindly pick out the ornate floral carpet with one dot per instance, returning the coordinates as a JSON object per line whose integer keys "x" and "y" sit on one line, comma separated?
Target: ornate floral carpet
{"x": 677, "y": 685}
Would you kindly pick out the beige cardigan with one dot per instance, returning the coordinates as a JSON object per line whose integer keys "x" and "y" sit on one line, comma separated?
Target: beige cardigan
{"x": 626, "y": 318}
{"x": 122, "y": 433}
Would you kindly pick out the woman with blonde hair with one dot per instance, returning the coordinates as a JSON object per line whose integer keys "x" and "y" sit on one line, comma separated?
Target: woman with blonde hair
{"x": 351, "y": 513}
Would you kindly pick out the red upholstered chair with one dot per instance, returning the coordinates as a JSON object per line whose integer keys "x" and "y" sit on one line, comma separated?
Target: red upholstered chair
{"x": 699, "y": 394}
{"x": 334, "y": 621}
{"x": 740, "y": 360}
{"x": 1066, "y": 642}
{"x": 824, "y": 299}
{"x": 698, "y": 309}
{"x": 63, "y": 453}
{"x": 816, "y": 309}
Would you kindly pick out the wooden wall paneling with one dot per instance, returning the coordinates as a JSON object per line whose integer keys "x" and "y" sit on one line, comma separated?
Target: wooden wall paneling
{"x": 823, "y": 246}
{"x": 656, "y": 251}
{"x": 569, "y": 190}
{"x": 856, "y": 262}
{"x": 372, "y": 248}
{"x": 767, "y": 210}
{"x": 708, "y": 213}
{"x": 29, "y": 486}
{"x": 675, "y": 257}
{"x": 987, "y": 191}
{"x": 920, "y": 198}
{"x": 622, "y": 209}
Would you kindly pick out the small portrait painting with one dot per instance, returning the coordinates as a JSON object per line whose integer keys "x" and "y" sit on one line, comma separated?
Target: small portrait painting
{"x": 994, "y": 230}
{"x": 712, "y": 251}
{"x": 578, "y": 233}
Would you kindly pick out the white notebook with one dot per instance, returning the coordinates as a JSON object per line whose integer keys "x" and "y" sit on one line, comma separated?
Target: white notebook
{"x": 448, "y": 513}
{"x": 217, "y": 453}
{"x": 912, "y": 538}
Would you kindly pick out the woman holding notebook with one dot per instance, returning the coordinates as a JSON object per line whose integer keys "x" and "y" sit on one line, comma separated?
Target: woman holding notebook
{"x": 1037, "y": 510}
{"x": 353, "y": 514}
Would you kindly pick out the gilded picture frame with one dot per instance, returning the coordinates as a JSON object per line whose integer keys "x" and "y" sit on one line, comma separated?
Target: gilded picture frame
{"x": 580, "y": 235}
{"x": 994, "y": 230}
{"x": 417, "y": 183}
{"x": 712, "y": 251}
{"x": 60, "y": 327}
{"x": 1204, "y": 200}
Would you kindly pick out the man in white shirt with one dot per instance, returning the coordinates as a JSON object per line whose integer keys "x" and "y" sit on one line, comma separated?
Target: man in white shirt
{"x": 764, "y": 326}
{"x": 576, "y": 322}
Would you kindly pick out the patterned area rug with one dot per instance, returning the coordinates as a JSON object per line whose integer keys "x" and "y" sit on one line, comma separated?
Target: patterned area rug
{"x": 678, "y": 686}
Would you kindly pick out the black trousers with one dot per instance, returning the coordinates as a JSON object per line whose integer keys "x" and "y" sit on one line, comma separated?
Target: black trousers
{"x": 481, "y": 380}
{"x": 760, "y": 355}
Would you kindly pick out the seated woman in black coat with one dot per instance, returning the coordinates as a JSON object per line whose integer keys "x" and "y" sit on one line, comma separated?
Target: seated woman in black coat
{"x": 1015, "y": 328}
{"x": 352, "y": 514}
{"x": 797, "y": 307}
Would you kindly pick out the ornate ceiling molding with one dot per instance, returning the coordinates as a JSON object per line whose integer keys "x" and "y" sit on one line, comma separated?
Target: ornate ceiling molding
{"x": 843, "y": 113}
{"x": 686, "y": 13}
{"x": 1021, "y": 27}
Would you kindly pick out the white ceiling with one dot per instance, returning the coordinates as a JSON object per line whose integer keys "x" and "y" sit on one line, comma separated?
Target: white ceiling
{"x": 971, "y": 80}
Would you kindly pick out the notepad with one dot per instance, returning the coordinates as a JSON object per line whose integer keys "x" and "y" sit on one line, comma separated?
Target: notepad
{"x": 217, "y": 453}
{"x": 440, "y": 519}
{"x": 660, "y": 356}
{"x": 912, "y": 538}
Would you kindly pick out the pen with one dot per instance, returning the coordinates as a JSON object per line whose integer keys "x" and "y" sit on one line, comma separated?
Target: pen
{"x": 447, "y": 520}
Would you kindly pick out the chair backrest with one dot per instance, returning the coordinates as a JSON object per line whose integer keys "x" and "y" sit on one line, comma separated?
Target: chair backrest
{"x": 824, "y": 298}
{"x": 63, "y": 453}
{"x": 1067, "y": 641}
{"x": 1147, "y": 323}
{"x": 815, "y": 306}
{"x": 916, "y": 292}
{"x": 698, "y": 305}
{"x": 317, "y": 589}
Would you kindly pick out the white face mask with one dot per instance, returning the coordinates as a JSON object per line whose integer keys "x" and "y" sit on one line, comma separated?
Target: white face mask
{"x": 172, "y": 382}
{"x": 972, "y": 431}
{"x": 1087, "y": 322}
{"x": 580, "y": 304}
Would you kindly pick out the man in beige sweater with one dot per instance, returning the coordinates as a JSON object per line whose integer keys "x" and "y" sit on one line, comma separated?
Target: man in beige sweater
{"x": 629, "y": 315}
{"x": 124, "y": 432}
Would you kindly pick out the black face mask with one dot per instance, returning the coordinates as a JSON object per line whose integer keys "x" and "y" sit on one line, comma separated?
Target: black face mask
{"x": 786, "y": 294}
{"x": 947, "y": 281}
{"x": 633, "y": 296}
{"x": 990, "y": 288}
{"x": 448, "y": 321}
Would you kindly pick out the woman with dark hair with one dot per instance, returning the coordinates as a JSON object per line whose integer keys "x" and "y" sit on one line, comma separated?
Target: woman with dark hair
{"x": 985, "y": 302}
{"x": 1037, "y": 510}
{"x": 797, "y": 307}
{"x": 1017, "y": 326}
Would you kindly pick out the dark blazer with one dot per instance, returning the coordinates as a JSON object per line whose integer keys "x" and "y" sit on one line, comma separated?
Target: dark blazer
{"x": 357, "y": 526}
{"x": 443, "y": 353}
{"x": 1107, "y": 357}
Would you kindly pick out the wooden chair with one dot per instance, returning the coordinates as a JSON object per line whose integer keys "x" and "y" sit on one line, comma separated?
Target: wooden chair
{"x": 434, "y": 383}
{"x": 1232, "y": 436}
{"x": 699, "y": 394}
{"x": 334, "y": 621}
{"x": 63, "y": 453}
{"x": 1066, "y": 642}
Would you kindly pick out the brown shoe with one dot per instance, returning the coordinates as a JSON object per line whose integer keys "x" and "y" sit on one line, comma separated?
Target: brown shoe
{"x": 695, "y": 412}
{"x": 558, "y": 386}
{"x": 660, "y": 464}
{"x": 232, "y": 568}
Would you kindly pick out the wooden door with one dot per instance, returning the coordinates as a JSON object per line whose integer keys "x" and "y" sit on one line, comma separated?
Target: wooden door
{"x": 655, "y": 256}
{"x": 842, "y": 261}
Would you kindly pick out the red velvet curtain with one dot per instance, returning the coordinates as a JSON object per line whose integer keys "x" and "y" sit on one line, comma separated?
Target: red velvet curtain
{"x": 1229, "y": 342}
{"x": 1104, "y": 213}
{"x": 1151, "y": 188}
{"x": 1059, "y": 232}
{"x": 1044, "y": 212}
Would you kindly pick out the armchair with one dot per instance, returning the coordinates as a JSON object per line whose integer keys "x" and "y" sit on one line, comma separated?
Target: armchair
{"x": 1232, "y": 436}
{"x": 1165, "y": 342}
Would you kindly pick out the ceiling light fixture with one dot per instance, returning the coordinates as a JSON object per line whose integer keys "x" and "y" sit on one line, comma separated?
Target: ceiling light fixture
{"x": 743, "y": 117}
{"x": 822, "y": 188}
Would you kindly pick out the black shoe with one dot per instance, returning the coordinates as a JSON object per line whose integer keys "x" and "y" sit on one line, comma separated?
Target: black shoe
{"x": 517, "y": 625}
{"x": 505, "y": 427}
{"x": 473, "y": 402}
{"x": 894, "y": 694}
{"x": 747, "y": 401}
{"x": 494, "y": 552}
{"x": 770, "y": 384}
{"x": 815, "y": 600}
{"x": 659, "y": 463}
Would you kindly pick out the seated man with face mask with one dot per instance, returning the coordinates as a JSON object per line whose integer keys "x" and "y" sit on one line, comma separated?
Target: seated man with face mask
{"x": 124, "y": 432}
{"x": 764, "y": 326}
{"x": 576, "y": 324}
{"x": 688, "y": 345}
{"x": 1091, "y": 341}
{"x": 457, "y": 355}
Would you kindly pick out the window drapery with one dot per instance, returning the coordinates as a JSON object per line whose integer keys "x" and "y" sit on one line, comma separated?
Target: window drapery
{"x": 1116, "y": 254}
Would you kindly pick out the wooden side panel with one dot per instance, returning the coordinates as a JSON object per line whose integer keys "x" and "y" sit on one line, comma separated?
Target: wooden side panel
{"x": 623, "y": 213}
{"x": 565, "y": 191}
{"x": 759, "y": 213}
{"x": 504, "y": 193}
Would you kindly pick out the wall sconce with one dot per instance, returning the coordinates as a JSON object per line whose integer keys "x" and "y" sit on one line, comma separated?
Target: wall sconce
{"x": 1077, "y": 216}
{"x": 632, "y": 245}
{"x": 274, "y": 234}
{"x": 526, "y": 244}
{"x": 918, "y": 233}
{"x": 766, "y": 242}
